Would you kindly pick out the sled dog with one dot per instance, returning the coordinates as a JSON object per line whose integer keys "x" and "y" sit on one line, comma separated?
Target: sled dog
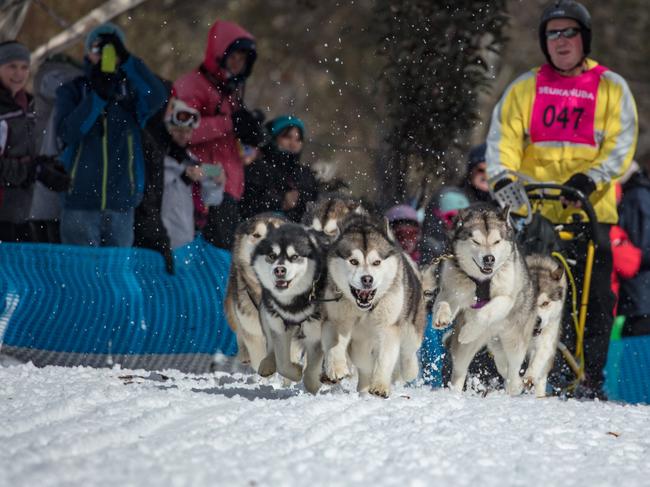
{"x": 487, "y": 291}
{"x": 551, "y": 283}
{"x": 244, "y": 293}
{"x": 325, "y": 214}
{"x": 379, "y": 319}
{"x": 290, "y": 266}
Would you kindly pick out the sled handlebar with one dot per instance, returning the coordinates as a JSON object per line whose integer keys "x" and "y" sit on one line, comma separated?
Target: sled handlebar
{"x": 587, "y": 207}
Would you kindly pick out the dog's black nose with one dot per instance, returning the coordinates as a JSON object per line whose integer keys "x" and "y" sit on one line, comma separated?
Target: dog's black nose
{"x": 366, "y": 281}
{"x": 280, "y": 272}
{"x": 488, "y": 260}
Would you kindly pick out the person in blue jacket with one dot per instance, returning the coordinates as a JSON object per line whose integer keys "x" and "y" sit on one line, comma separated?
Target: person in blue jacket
{"x": 99, "y": 119}
{"x": 634, "y": 214}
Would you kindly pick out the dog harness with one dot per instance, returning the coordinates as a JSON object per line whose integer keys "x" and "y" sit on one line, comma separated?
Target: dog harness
{"x": 482, "y": 296}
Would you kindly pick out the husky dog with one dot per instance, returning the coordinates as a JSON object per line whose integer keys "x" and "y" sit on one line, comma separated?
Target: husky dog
{"x": 244, "y": 292}
{"x": 290, "y": 266}
{"x": 380, "y": 318}
{"x": 326, "y": 213}
{"x": 487, "y": 291}
{"x": 551, "y": 283}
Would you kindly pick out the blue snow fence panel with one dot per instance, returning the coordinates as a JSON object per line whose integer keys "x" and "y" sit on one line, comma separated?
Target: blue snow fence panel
{"x": 72, "y": 305}
{"x": 432, "y": 354}
{"x": 626, "y": 374}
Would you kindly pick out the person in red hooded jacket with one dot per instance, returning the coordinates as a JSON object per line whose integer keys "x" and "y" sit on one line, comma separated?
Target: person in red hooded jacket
{"x": 216, "y": 90}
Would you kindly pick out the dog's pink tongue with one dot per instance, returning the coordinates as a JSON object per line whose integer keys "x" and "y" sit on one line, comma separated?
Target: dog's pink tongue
{"x": 364, "y": 294}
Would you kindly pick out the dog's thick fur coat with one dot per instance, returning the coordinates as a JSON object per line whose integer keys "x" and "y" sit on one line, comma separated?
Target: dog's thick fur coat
{"x": 379, "y": 320}
{"x": 487, "y": 291}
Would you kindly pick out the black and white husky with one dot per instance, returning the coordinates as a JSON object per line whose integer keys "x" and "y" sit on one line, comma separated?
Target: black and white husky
{"x": 290, "y": 266}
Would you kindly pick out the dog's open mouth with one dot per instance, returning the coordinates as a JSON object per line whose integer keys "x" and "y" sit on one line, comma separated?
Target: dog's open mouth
{"x": 485, "y": 269}
{"x": 363, "y": 297}
{"x": 282, "y": 284}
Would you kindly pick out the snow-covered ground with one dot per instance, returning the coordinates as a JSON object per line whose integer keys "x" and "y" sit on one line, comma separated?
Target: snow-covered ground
{"x": 87, "y": 427}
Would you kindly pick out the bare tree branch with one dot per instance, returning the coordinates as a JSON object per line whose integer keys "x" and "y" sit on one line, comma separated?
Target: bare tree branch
{"x": 12, "y": 16}
{"x": 103, "y": 13}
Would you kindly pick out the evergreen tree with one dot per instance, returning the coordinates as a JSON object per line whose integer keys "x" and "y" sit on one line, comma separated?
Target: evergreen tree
{"x": 435, "y": 53}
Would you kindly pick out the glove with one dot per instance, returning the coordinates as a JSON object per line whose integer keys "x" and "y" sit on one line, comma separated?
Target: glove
{"x": 114, "y": 39}
{"x": 582, "y": 183}
{"x": 51, "y": 174}
{"x": 248, "y": 126}
{"x": 502, "y": 183}
{"x": 104, "y": 84}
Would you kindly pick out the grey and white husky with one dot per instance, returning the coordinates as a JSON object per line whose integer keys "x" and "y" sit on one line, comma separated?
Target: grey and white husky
{"x": 550, "y": 281}
{"x": 290, "y": 266}
{"x": 379, "y": 319}
{"x": 487, "y": 291}
{"x": 244, "y": 292}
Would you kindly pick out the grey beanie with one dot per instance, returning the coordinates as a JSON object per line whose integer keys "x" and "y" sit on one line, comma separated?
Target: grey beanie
{"x": 13, "y": 51}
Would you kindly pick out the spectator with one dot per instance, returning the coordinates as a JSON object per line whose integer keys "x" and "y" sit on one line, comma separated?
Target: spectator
{"x": 438, "y": 221}
{"x": 19, "y": 165}
{"x": 626, "y": 257}
{"x": 165, "y": 218}
{"x": 216, "y": 90}
{"x": 277, "y": 181}
{"x": 572, "y": 122}
{"x": 99, "y": 118}
{"x": 403, "y": 220}
{"x": 634, "y": 302}
{"x": 475, "y": 183}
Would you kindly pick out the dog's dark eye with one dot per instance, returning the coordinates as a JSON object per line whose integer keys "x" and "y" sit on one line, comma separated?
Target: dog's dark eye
{"x": 354, "y": 262}
{"x": 376, "y": 263}
{"x": 475, "y": 242}
{"x": 272, "y": 256}
{"x": 256, "y": 235}
{"x": 545, "y": 304}
{"x": 294, "y": 257}
{"x": 498, "y": 241}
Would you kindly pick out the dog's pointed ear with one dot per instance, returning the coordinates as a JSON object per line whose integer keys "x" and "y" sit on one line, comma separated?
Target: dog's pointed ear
{"x": 505, "y": 213}
{"x": 460, "y": 217}
{"x": 389, "y": 231}
{"x": 316, "y": 224}
{"x": 557, "y": 273}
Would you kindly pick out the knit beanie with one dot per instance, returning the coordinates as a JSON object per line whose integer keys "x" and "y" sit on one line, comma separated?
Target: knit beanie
{"x": 106, "y": 28}
{"x": 476, "y": 156}
{"x": 13, "y": 51}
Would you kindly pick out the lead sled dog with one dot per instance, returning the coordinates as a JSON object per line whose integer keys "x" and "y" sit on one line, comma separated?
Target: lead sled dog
{"x": 379, "y": 318}
{"x": 290, "y": 266}
{"x": 487, "y": 291}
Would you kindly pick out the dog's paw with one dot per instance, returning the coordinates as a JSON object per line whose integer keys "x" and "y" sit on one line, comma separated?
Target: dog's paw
{"x": 312, "y": 383}
{"x": 379, "y": 390}
{"x": 529, "y": 382}
{"x": 335, "y": 367}
{"x": 443, "y": 316}
{"x": 267, "y": 366}
{"x": 291, "y": 371}
{"x": 469, "y": 333}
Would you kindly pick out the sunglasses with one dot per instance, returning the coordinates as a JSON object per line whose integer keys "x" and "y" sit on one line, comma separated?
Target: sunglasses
{"x": 568, "y": 33}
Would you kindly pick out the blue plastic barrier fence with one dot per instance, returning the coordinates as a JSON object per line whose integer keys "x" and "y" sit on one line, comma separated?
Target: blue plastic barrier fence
{"x": 626, "y": 373}
{"x": 71, "y": 305}
{"x": 432, "y": 354}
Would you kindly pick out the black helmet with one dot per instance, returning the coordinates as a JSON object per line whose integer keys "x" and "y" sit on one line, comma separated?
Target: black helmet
{"x": 566, "y": 9}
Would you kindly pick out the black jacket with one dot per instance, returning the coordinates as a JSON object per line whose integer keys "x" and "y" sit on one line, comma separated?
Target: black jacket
{"x": 17, "y": 148}
{"x": 634, "y": 214}
{"x": 270, "y": 177}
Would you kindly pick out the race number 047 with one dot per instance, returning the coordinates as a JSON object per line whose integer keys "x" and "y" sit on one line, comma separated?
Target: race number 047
{"x": 564, "y": 117}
